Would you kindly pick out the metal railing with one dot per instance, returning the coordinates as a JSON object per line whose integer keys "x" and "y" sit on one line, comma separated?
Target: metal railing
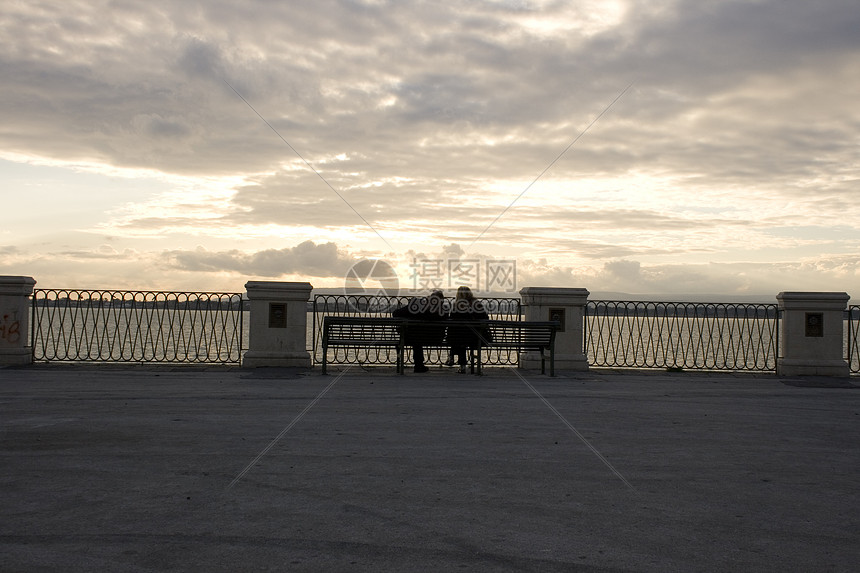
{"x": 682, "y": 335}
{"x": 136, "y": 326}
{"x": 852, "y": 346}
{"x": 202, "y": 327}
{"x": 373, "y": 305}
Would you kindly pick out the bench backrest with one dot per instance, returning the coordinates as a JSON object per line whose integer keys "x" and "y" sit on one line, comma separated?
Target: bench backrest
{"x": 522, "y": 334}
{"x": 361, "y": 330}
{"x": 390, "y": 331}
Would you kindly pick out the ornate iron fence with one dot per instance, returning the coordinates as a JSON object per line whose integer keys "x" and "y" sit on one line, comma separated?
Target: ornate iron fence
{"x": 372, "y": 305}
{"x": 136, "y": 326}
{"x": 852, "y": 346}
{"x": 682, "y": 335}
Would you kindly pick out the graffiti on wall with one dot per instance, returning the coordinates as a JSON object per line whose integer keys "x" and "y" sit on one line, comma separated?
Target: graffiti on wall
{"x": 10, "y": 329}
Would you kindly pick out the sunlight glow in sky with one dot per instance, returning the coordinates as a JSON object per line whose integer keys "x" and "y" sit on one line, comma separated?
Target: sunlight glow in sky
{"x": 729, "y": 168}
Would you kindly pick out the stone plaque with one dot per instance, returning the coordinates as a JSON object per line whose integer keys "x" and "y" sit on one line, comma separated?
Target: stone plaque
{"x": 277, "y": 315}
{"x": 814, "y": 324}
{"x": 557, "y": 314}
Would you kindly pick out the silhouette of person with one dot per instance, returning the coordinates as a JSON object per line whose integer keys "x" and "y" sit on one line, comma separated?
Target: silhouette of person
{"x": 430, "y": 309}
{"x": 461, "y": 337}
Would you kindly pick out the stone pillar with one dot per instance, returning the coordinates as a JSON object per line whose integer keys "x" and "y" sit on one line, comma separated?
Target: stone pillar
{"x": 567, "y": 305}
{"x": 811, "y": 334}
{"x": 278, "y": 329}
{"x": 14, "y": 320}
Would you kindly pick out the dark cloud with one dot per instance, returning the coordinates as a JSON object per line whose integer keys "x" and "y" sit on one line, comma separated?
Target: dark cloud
{"x": 159, "y": 127}
{"x": 199, "y": 58}
{"x": 307, "y": 258}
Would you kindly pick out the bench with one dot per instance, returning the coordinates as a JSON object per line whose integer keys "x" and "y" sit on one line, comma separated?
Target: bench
{"x": 360, "y": 331}
{"x": 521, "y": 336}
{"x": 381, "y": 332}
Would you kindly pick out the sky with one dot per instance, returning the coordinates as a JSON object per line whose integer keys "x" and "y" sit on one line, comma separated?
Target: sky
{"x": 656, "y": 147}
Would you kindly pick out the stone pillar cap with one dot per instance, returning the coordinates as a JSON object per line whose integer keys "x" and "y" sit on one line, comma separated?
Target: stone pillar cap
{"x": 554, "y": 291}
{"x": 276, "y": 289}
{"x": 831, "y": 300}
{"x": 15, "y": 285}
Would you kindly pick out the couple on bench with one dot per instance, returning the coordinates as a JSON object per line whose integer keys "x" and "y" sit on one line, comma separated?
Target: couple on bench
{"x": 459, "y": 338}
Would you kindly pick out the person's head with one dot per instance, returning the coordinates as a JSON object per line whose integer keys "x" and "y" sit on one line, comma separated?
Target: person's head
{"x": 465, "y": 293}
{"x": 435, "y": 301}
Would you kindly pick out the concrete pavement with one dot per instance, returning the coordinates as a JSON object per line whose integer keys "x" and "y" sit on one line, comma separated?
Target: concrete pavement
{"x": 143, "y": 468}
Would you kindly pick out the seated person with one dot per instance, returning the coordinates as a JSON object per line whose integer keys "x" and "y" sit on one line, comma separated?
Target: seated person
{"x": 430, "y": 308}
{"x": 466, "y": 307}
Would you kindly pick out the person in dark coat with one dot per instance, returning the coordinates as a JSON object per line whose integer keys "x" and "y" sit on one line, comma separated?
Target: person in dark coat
{"x": 432, "y": 309}
{"x": 461, "y": 338}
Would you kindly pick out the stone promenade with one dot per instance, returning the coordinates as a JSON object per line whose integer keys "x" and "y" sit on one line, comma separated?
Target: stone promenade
{"x": 142, "y": 468}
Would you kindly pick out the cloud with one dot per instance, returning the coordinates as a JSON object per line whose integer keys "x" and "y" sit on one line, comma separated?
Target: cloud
{"x": 624, "y": 271}
{"x": 157, "y": 126}
{"x": 326, "y": 266}
{"x": 712, "y": 281}
{"x": 200, "y": 58}
{"x": 736, "y": 142}
{"x": 307, "y": 258}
